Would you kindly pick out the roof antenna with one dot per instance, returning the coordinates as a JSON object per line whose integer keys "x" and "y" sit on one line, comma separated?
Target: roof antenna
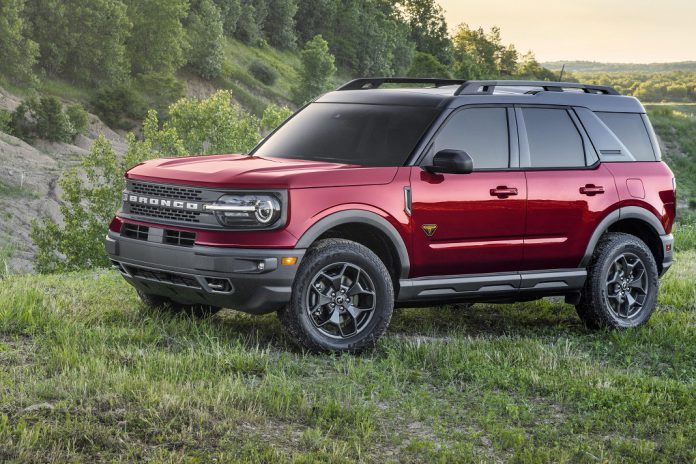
{"x": 560, "y": 78}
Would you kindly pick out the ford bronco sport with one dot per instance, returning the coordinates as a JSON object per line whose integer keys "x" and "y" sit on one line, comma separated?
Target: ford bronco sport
{"x": 369, "y": 197}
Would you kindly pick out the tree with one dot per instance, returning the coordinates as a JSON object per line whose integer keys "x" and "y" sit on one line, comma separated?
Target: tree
{"x": 205, "y": 32}
{"x": 158, "y": 41}
{"x": 428, "y": 26}
{"x": 17, "y": 53}
{"x": 247, "y": 29}
{"x": 475, "y": 53}
{"x": 230, "y": 10}
{"x": 316, "y": 17}
{"x": 426, "y": 65}
{"x": 94, "y": 51}
{"x": 279, "y": 27}
{"x": 317, "y": 69}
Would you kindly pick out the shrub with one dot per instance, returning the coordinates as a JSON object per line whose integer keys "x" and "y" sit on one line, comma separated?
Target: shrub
{"x": 263, "y": 72}
{"x": 5, "y": 117}
{"x": 42, "y": 118}
{"x": 317, "y": 70}
{"x": 117, "y": 104}
{"x": 78, "y": 118}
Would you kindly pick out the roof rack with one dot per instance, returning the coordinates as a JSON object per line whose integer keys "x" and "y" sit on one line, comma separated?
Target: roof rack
{"x": 467, "y": 87}
{"x": 487, "y": 87}
{"x": 376, "y": 82}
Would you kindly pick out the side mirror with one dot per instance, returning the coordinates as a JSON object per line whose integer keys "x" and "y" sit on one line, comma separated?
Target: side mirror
{"x": 451, "y": 162}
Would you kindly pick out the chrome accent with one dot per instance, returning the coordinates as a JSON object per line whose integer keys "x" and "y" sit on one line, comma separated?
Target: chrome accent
{"x": 407, "y": 200}
{"x": 245, "y": 209}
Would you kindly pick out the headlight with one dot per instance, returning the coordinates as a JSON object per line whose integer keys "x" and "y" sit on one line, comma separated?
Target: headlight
{"x": 253, "y": 211}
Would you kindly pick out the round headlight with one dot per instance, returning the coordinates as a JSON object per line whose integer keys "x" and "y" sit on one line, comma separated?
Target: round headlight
{"x": 246, "y": 210}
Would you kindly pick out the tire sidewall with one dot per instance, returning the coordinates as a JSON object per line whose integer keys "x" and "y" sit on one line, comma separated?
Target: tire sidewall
{"x": 384, "y": 298}
{"x": 640, "y": 250}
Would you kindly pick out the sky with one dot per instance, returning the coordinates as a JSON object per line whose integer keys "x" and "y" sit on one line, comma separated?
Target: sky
{"x": 618, "y": 31}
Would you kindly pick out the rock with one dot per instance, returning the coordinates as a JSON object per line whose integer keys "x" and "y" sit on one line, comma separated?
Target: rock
{"x": 38, "y": 407}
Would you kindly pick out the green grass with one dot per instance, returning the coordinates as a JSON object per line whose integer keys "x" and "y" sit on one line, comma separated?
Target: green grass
{"x": 14, "y": 191}
{"x": 519, "y": 383}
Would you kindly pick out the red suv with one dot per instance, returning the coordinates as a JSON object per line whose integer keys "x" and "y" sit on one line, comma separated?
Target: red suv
{"x": 369, "y": 197}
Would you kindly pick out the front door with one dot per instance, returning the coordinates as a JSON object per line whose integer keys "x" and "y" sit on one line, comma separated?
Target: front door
{"x": 470, "y": 223}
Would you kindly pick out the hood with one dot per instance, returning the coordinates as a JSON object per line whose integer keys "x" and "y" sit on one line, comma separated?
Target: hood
{"x": 231, "y": 171}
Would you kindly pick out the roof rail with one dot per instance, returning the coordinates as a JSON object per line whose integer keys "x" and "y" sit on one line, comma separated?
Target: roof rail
{"x": 487, "y": 87}
{"x": 376, "y": 82}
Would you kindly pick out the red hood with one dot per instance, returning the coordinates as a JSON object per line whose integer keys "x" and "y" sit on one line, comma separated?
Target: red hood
{"x": 253, "y": 172}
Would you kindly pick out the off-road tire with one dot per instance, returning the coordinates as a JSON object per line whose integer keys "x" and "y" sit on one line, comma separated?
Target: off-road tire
{"x": 164, "y": 304}
{"x": 299, "y": 324}
{"x": 594, "y": 307}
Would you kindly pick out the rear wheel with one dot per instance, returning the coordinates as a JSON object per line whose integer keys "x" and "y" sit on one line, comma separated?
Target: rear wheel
{"x": 342, "y": 298}
{"x": 622, "y": 284}
{"x": 161, "y": 303}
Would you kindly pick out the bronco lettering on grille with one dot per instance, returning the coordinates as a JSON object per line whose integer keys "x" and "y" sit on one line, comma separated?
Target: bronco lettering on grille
{"x": 161, "y": 202}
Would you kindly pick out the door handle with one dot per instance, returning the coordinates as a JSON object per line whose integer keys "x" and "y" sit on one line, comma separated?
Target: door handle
{"x": 502, "y": 191}
{"x": 591, "y": 189}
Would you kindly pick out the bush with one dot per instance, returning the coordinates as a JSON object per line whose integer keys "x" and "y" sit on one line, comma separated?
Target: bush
{"x": 78, "y": 118}
{"x": 118, "y": 105}
{"x": 317, "y": 70}
{"x": 42, "y": 118}
{"x": 5, "y": 117}
{"x": 263, "y": 72}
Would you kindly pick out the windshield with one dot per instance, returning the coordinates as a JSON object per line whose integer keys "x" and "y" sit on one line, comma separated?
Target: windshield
{"x": 362, "y": 134}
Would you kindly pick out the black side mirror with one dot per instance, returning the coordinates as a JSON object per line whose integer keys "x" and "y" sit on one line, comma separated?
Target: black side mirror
{"x": 451, "y": 162}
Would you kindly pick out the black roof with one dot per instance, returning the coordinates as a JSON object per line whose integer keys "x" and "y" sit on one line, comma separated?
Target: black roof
{"x": 453, "y": 93}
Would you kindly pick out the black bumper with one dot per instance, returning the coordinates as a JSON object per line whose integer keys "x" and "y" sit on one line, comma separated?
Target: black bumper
{"x": 249, "y": 280}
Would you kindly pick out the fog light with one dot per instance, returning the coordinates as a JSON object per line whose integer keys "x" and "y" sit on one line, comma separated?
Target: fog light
{"x": 261, "y": 266}
{"x": 289, "y": 260}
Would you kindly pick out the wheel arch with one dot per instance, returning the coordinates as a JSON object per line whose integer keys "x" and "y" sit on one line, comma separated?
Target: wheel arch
{"x": 350, "y": 223}
{"x": 633, "y": 220}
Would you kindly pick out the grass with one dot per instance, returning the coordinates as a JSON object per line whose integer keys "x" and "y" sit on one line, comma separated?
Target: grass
{"x": 15, "y": 191}
{"x": 88, "y": 374}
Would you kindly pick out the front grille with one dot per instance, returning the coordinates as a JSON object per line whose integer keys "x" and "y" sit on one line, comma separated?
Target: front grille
{"x": 179, "y": 238}
{"x": 164, "y": 276}
{"x": 135, "y": 231}
{"x": 165, "y": 213}
{"x": 166, "y": 191}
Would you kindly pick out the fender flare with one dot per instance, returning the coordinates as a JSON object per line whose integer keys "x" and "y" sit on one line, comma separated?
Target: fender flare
{"x": 359, "y": 216}
{"x": 627, "y": 212}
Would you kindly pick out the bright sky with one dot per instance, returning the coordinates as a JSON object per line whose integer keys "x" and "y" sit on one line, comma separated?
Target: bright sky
{"x": 621, "y": 31}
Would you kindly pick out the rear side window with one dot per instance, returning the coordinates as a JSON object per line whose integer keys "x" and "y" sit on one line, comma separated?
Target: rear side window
{"x": 630, "y": 129}
{"x": 481, "y": 132}
{"x": 554, "y": 141}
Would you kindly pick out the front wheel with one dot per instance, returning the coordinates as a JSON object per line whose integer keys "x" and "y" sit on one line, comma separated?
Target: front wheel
{"x": 622, "y": 284}
{"x": 342, "y": 298}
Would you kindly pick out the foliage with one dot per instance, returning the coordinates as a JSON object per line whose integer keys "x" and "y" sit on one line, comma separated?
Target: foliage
{"x": 263, "y": 72}
{"x": 317, "y": 70}
{"x": 5, "y": 118}
{"x": 18, "y": 53}
{"x": 78, "y": 118}
{"x": 45, "y": 118}
{"x": 159, "y": 90}
{"x": 158, "y": 42}
{"x": 673, "y": 86}
{"x": 426, "y": 65}
{"x": 428, "y": 28}
{"x": 685, "y": 234}
{"x": 90, "y": 198}
{"x": 81, "y": 39}
{"x": 279, "y": 25}
{"x": 205, "y": 32}
{"x": 118, "y": 105}
{"x": 273, "y": 117}
{"x": 247, "y": 29}
{"x": 230, "y": 11}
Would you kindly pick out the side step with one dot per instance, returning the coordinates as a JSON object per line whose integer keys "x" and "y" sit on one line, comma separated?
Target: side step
{"x": 451, "y": 287}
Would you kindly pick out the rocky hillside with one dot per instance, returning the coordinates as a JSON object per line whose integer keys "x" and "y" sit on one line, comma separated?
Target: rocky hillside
{"x": 29, "y": 177}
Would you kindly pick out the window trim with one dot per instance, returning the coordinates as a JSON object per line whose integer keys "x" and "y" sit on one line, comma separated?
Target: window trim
{"x": 525, "y": 151}
{"x": 513, "y": 143}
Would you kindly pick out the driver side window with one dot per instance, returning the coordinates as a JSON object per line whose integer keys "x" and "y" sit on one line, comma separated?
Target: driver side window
{"x": 481, "y": 132}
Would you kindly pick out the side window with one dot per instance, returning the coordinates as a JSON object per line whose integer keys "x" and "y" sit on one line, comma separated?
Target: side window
{"x": 554, "y": 141}
{"x": 631, "y": 130}
{"x": 481, "y": 132}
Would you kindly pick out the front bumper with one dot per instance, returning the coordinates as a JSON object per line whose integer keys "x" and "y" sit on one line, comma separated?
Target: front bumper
{"x": 249, "y": 280}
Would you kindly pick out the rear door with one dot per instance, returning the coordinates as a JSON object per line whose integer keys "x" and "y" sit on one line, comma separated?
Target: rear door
{"x": 568, "y": 190}
{"x": 471, "y": 223}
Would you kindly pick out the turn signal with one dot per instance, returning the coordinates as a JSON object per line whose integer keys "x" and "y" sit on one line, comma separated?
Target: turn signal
{"x": 289, "y": 260}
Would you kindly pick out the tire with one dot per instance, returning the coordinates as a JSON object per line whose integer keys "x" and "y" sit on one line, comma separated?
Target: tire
{"x": 161, "y": 303}
{"x": 622, "y": 284}
{"x": 342, "y": 299}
